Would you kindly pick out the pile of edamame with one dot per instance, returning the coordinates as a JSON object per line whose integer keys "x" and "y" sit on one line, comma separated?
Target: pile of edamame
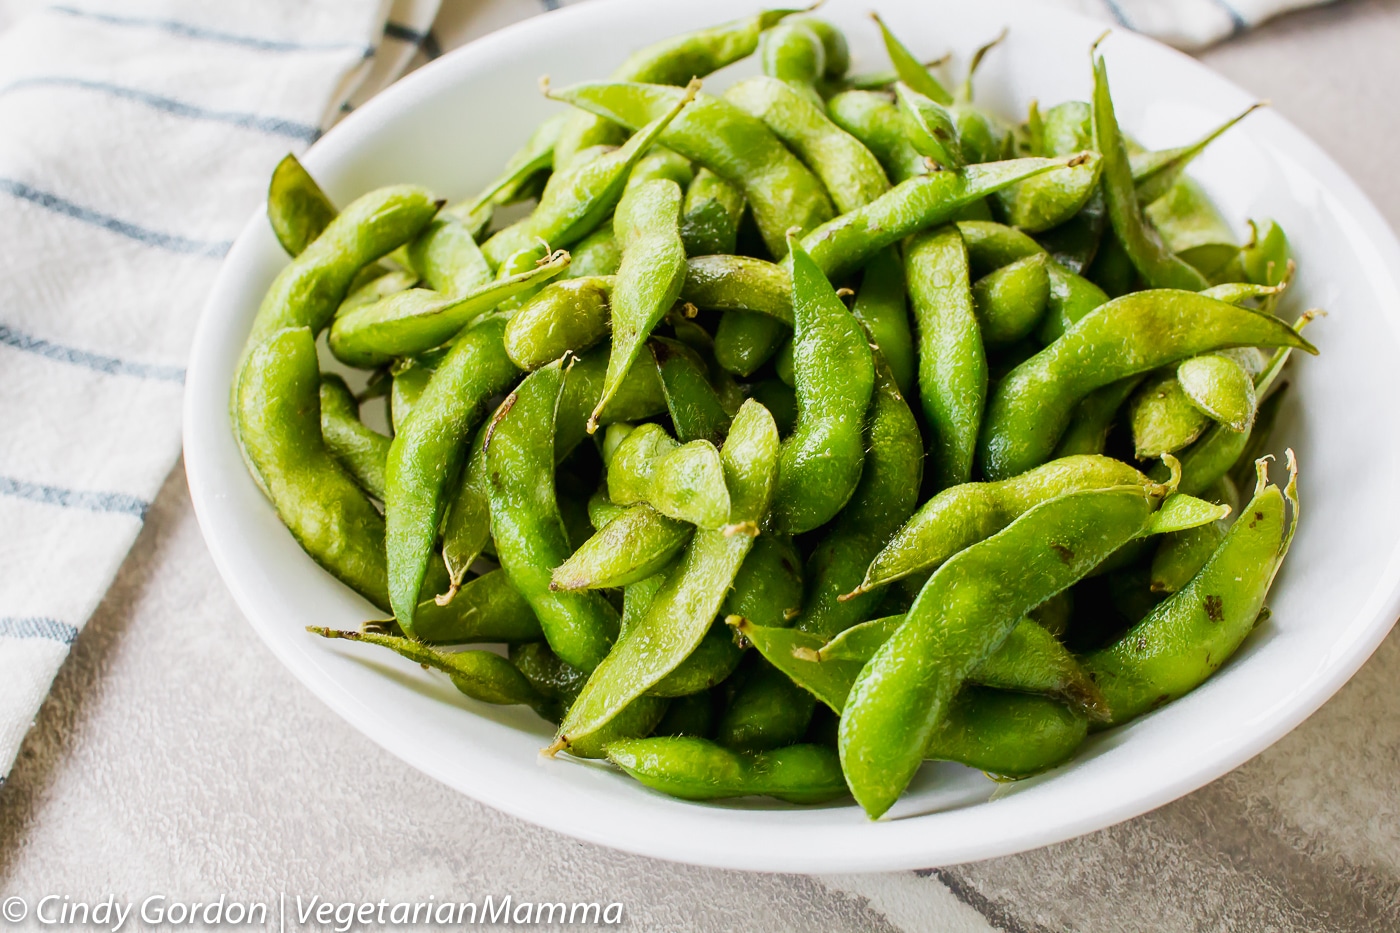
{"x": 794, "y": 436}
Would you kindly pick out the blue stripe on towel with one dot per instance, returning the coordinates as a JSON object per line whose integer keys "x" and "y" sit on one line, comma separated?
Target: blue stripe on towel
{"x": 169, "y": 241}
{"x": 118, "y": 502}
{"x": 95, "y": 361}
{"x": 191, "y": 31}
{"x": 37, "y": 627}
{"x": 274, "y": 126}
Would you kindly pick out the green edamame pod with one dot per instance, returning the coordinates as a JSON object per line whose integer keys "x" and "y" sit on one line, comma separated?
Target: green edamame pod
{"x": 426, "y": 455}
{"x": 307, "y": 292}
{"x": 446, "y": 257}
{"x": 698, "y": 769}
{"x": 881, "y": 128}
{"x": 1162, "y": 418}
{"x": 697, "y": 413}
{"x": 684, "y": 482}
{"x": 1182, "y": 554}
{"x": 738, "y": 283}
{"x": 409, "y": 380}
{"x": 359, "y": 448}
{"x": 648, "y": 282}
{"x": 1155, "y": 171}
{"x": 1188, "y": 636}
{"x": 580, "y": 197}
{"x": 932, "y": 129}
{"x": 781, "y": 191}
{"x": 671, "y": 61}
{"x": 1030, "y": 660}
{"x": 566, "y": 316}
{"x": 710, "y": 215}
{"x": 1136, "y": 333}
{"x": 1220, "y": 388}
{"x": 793, "y": 53}
{"x": 546, "y": 672}
{"x": 1218, "y": 450}
{"x": 637, "y": 398}
{"x": 525, "y": 522}
{"x": 278, "y": 409}
{"x": 1092, "y": 419}
{"x": 297, "y": 208}
{"x": 745, "y": 340}
{"x": 850, "y": 172}
{"x": 962, "y": 515}
{"x": 415, "y": 321}
{"x": 684, "y": 608}
{"x": 466, "y": 528}
{"x": 480, "y": 675}
{"x": 952, "y": 360}
{"x": 380, "y": 286}
{"x": 1149, "y": 256}
{"x": 910, "y": 69}
{"x": 1071, "y": 298}
{"x": 884, "y": 499}
{"x": 1046, "y": 201}
{"x": 963, "y": 613}
{"x": 768, "y": 587}
{"x": 769, "y": 711}
{"x": 709, "y": 665}
{"x": 881, "y": 309}
{"x": 485, "y": 609}
{"x": 1006, "y": 734}
{"x": 596, "y": 254}
{"x": 661, "y": 162}
{"x": 840, "y": 246}
{"x": 1011, "y": 301}
{"x": 834, "y": 373}
{"x": 1192, "y": 228}
{"x": 636, "y": 544}
{"x": 1266, "y": 259}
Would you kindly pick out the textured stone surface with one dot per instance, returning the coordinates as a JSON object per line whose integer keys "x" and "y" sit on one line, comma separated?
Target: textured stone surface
{"x": 177, "y": 755}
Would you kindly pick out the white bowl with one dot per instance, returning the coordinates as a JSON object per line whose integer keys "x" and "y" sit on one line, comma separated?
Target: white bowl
{"x": 453, "y": 123}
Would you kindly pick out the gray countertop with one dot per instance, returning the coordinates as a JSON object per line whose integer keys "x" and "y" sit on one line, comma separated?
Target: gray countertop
{"x": 176, "y": 755}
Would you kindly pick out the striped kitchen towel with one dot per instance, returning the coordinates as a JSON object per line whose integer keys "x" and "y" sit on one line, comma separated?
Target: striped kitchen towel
{"x": 138, "y": 138}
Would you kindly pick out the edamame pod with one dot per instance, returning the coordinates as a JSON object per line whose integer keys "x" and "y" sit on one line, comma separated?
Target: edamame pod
{"x": 1219, "y": 386}
{"x": 881, "y": 309}
{"x": 769, "y": 711}
{"x": 485, "y": 609}
{"x": 426, "y": 456}
{"x": 446, "y": 257}
{"x": 1136, "y": 333}
{"x": 481, "y": 675}
{"x": 697, "y": 412}
{"x": 682, "y": 611}
{"x": 887, "y": 494}
{"x": 566, "y": 316}
{"x": 1152, "y": 260}
{"x": 710, "y": 215}
{"x": 1008, "y": 735}
{"x": 1188, "y": 636}
{"x": 849, "y": 171}
{"x": 525, "y": 522}
{"x": 1093, "y": 419}
{"x": 309, "y": 289}
{"x": 882, "y": 128}
{"x": 297, "y": 208}
{"x": 418, "y": 320}
{"x": 768, "y": 587}
{"x": 698, "y": 769}
{"x": 580, "y": 197}
{"x": 1011, "y": 301}
{"x": 738, "y": 283}
{"x": 834, "y": 373}
{"x": 965, "y": 611}
{"x": 840, "y": 246}
{"x": 781, "y": 191}
{"x": 649, "y": 280}
{"x": 1162, "y": 418}
{"x": 596, "y": 254}
{"x": 793, "y": 53}
{"x": 277, "y": 407}
{"x": 359, "y": 448}
{"x": 636, "y": 544}
{"x": 952, "y": 359}
{"x": 962, "y": 515}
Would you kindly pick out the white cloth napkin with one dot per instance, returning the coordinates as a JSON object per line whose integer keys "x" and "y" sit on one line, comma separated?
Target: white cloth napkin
{"x": 139, "y": 135}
